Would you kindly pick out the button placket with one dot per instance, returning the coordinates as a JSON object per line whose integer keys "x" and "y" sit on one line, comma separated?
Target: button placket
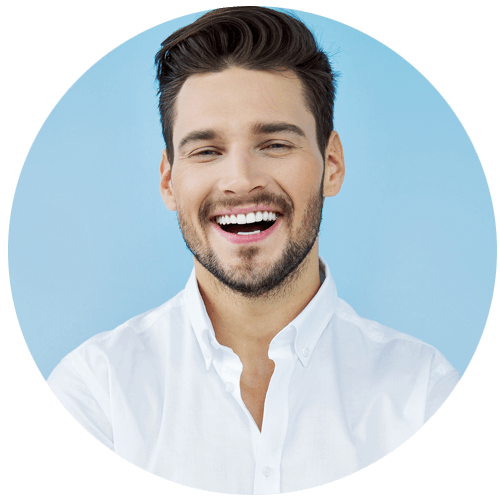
{"x": 267, "y": 471}
{"x": 267, "y": 478}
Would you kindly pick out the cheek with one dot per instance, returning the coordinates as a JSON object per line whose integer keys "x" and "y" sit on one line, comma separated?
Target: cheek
{"x": 302, "y": 183}
{"x": 190, "y": 190}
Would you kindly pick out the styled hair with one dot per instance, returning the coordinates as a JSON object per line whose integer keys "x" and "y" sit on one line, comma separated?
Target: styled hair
{"x": 254, "y": 38}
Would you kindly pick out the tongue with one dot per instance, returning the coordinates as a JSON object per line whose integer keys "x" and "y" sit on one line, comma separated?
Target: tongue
{"x": 247, "y": 228}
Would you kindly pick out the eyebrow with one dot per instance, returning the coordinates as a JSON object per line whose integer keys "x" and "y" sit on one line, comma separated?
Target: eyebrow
{"x": 261, "y": 128}
{"x": 273, "y": 127}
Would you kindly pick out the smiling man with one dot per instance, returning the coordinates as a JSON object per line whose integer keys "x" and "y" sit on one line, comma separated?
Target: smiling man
{"x": 256, "y": 378}
{"x": 248, "y": 181}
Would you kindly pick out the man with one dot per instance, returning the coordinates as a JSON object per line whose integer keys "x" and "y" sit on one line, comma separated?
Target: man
{"x": 256, "y": 378}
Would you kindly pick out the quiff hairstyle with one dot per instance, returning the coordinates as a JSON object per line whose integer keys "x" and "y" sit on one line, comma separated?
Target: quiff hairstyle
{"x": 254, "y": 38}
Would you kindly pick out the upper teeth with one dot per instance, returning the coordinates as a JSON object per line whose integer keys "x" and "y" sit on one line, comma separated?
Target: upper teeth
{"x": 246, "y": 218}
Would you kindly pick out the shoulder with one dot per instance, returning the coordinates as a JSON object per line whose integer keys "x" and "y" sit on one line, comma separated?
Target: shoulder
{"x": 388, "y": 347}
{"x": 139, "y": 337}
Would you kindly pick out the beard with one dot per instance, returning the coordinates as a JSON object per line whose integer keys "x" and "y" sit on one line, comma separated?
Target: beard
{"x": 246, "y": 280}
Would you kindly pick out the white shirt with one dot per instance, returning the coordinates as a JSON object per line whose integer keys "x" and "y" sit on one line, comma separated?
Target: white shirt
{"x": 164, "y": 394}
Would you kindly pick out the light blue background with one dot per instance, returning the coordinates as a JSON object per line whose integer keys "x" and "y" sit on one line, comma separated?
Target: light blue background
{"x": 410, "y": 239}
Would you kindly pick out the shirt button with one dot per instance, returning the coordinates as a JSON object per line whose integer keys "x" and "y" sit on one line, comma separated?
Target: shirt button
{"x": 229, "y": 387}
{"x": 305, "y": 351}
{"x": 267, "y": 471}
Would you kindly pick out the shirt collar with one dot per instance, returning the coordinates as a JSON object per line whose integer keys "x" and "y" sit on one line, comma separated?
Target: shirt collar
{"x": 314, "y": 318}
{"x": 199, "y": 319}
{"x": 307, "y": 326}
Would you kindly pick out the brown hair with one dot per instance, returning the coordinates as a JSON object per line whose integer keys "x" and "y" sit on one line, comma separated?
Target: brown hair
{"x": 255, "y": 38}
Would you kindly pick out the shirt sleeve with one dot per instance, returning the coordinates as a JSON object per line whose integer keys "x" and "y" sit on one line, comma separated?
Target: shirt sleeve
{"x": 439, "y": 391}
{"x": 82, "y": 398}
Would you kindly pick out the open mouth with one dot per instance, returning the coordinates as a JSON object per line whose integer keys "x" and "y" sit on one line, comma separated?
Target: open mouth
{"x": 252, "y": 228}
{"x": 247, "y": 224}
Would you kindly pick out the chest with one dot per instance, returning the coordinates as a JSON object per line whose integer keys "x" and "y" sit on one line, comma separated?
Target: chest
{"x": 253, "y": 393}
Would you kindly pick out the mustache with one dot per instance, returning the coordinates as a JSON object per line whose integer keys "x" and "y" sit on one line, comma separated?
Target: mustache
{"x": 282, "y": 202}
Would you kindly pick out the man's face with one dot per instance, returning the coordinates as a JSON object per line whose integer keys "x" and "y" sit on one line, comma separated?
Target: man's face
{"x": 247, "y": 177}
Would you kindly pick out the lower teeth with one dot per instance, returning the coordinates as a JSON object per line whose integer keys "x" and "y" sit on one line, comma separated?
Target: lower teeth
{"x": 254, "y": 232}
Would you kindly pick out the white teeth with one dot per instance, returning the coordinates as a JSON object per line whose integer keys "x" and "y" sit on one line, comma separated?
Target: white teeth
{"x": 253, "y": 232}
{"x": 246, "y": 219}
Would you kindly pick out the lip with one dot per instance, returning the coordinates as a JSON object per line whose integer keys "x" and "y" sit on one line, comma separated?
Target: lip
{"x": 243, "y": 239}
{"x": 247, "y": 210}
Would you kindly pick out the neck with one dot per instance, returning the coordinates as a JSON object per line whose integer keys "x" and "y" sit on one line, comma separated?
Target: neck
{"x": 247, "y": 325}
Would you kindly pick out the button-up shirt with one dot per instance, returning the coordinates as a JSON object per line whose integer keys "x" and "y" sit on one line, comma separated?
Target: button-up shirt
{"x": 163, "y": 393}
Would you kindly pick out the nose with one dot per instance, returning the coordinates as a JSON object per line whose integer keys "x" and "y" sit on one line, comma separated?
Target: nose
{"x": 241, "y": 174}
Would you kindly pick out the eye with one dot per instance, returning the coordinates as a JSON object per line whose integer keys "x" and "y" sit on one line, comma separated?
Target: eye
{"x": 205, "y": 152}
{"x": 277, "y": 147}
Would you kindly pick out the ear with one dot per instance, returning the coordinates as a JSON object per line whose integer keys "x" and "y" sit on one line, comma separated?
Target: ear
{"x": 334, "y": 166}
{"x": 166, "y": 188}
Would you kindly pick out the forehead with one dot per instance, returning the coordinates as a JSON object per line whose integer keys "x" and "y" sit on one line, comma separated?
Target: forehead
{"x": 235, "y": 99}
